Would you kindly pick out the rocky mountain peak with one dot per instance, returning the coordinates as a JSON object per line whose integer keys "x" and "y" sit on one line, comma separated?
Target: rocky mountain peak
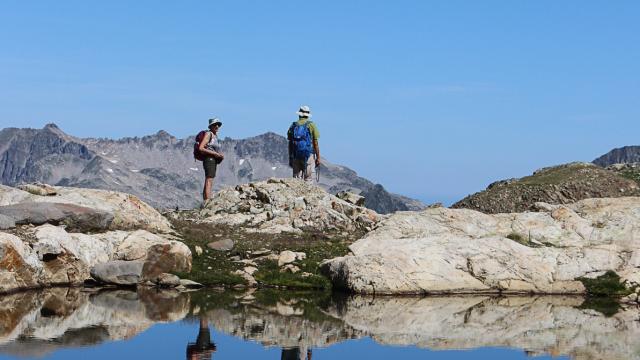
{"x": 622, "y": 155}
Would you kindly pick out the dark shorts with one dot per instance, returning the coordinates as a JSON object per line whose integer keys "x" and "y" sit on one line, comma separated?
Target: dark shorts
{"x": 210, "y": 165}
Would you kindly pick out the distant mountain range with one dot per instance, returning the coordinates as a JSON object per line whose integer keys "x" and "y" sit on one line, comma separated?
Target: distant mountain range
{"x": 160, "y": 168}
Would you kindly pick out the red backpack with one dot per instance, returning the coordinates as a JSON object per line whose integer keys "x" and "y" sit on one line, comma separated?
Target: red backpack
{"x": 196, "y": 147}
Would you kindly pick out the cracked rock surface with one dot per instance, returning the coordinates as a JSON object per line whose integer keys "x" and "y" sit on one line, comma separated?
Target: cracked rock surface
{"x": 443, "y": 250}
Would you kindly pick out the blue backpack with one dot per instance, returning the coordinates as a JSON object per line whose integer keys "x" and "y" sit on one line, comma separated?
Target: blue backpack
{"x": 302, "y": 146}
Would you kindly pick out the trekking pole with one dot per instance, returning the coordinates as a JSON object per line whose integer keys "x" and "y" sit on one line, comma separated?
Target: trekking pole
{"x": 318, "y": 174}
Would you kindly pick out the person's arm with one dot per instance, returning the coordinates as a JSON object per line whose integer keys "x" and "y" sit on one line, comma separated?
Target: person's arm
{"x": 203, "y": 148}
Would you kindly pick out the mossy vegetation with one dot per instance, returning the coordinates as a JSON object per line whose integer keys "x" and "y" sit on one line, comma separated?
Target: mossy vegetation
{"x": 605, "y": 285}
{"x": 213, "y": 267}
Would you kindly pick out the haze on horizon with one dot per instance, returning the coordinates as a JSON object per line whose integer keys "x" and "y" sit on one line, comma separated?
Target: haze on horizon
{"x": 432, "y": 99}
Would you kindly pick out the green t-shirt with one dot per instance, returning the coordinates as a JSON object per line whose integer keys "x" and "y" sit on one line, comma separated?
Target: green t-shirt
{"x": 315, "y": 134}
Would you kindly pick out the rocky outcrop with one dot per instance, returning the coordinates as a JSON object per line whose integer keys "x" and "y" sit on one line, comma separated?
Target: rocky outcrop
{"x": 562, "y": 184}
{"x": 285, "y": 205}
{"x": 41, "y": 244}
{"x": 160, "y": 169}
{"x": 48, "y": 255}
{"x": 444, "y": 250}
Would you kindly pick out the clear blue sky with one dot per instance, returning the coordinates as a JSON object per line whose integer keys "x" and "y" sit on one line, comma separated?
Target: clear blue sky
{"x": 433, "y": 99}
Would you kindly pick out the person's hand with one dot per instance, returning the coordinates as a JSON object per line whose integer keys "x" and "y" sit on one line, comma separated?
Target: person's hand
{"x": 317, "y": 161}
{"x": 220, "y": 156}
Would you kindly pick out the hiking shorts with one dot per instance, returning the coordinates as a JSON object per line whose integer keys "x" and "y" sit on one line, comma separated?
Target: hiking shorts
{"x": 299, "y": 169}
{"x": 210, "y": 166}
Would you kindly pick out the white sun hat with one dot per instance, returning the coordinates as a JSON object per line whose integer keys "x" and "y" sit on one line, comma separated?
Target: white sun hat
{"x": 304, "y": 111}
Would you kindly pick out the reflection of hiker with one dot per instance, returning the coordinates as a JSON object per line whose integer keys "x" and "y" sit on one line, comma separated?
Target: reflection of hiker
{"x": 209, "y": 152}
{"x": 295, "y": 354}
{"x": 203, "y": 348}
{"x": 304, "y": 151}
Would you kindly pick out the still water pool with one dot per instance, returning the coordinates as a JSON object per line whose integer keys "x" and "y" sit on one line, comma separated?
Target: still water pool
{"x": 208, "y": 324}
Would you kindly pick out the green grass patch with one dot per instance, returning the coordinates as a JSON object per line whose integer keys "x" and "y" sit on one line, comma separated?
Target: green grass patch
{"x": 269, "y": 274}
{"x": 217, "y": 267}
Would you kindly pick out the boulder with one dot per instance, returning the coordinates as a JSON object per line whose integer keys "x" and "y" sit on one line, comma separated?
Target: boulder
{"x": 288, "y": 256}
{"x": 76, "y": 217}
{"x": 167, "y": 280}
{"x": 221, "y": 245}
{"x": 444, "y": 250}
{"x": 172, "y": 256}
{"x": 351, "y": 198}
{"x": 135, "y": 245}
{"x": 118, "y": 272}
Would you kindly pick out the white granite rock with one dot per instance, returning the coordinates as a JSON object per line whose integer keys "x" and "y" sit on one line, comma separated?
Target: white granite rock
{"x": 444, "y": 250}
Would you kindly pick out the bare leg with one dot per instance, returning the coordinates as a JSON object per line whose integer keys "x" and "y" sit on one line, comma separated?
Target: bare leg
{"x": 206, "y": 192}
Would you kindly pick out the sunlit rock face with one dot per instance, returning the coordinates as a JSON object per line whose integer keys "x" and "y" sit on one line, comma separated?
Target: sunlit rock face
{"x": 444, "y": 250}
{"x": 37, "y": 323}
{"x": 539, "y": 325}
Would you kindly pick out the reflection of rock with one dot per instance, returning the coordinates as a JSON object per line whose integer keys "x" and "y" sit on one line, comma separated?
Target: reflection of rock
{"x": 551, "y": 325}
{"x": 283, "y": 324}
{"x": 444, "y": 250}
{"x": 36, "y": 323}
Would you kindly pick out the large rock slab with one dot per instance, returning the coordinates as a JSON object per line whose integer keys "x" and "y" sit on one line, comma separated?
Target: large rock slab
{"x": 285, "y": 205}
{"x": 127, "y": 211}
{"x": 78, "y": 218}
{"x": 444, "y": 250}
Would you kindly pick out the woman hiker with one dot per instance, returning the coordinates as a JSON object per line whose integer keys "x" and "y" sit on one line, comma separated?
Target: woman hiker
{"x": 211, "y": 149}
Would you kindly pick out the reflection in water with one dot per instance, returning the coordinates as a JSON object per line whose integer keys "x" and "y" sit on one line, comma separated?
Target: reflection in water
{"x": 203, "y": 348}
{"x": 37, "y": 323}
{"x": 295, "y": 354}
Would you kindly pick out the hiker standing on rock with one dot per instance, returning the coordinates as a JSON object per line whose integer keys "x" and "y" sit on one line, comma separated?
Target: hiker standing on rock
{"x": 304, "y": 151}
{"x": 210, "y": 152}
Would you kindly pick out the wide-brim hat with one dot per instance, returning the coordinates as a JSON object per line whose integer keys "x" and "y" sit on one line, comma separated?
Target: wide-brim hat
{"x": 304, "y": 111}
{"x": 214, "y": 121}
